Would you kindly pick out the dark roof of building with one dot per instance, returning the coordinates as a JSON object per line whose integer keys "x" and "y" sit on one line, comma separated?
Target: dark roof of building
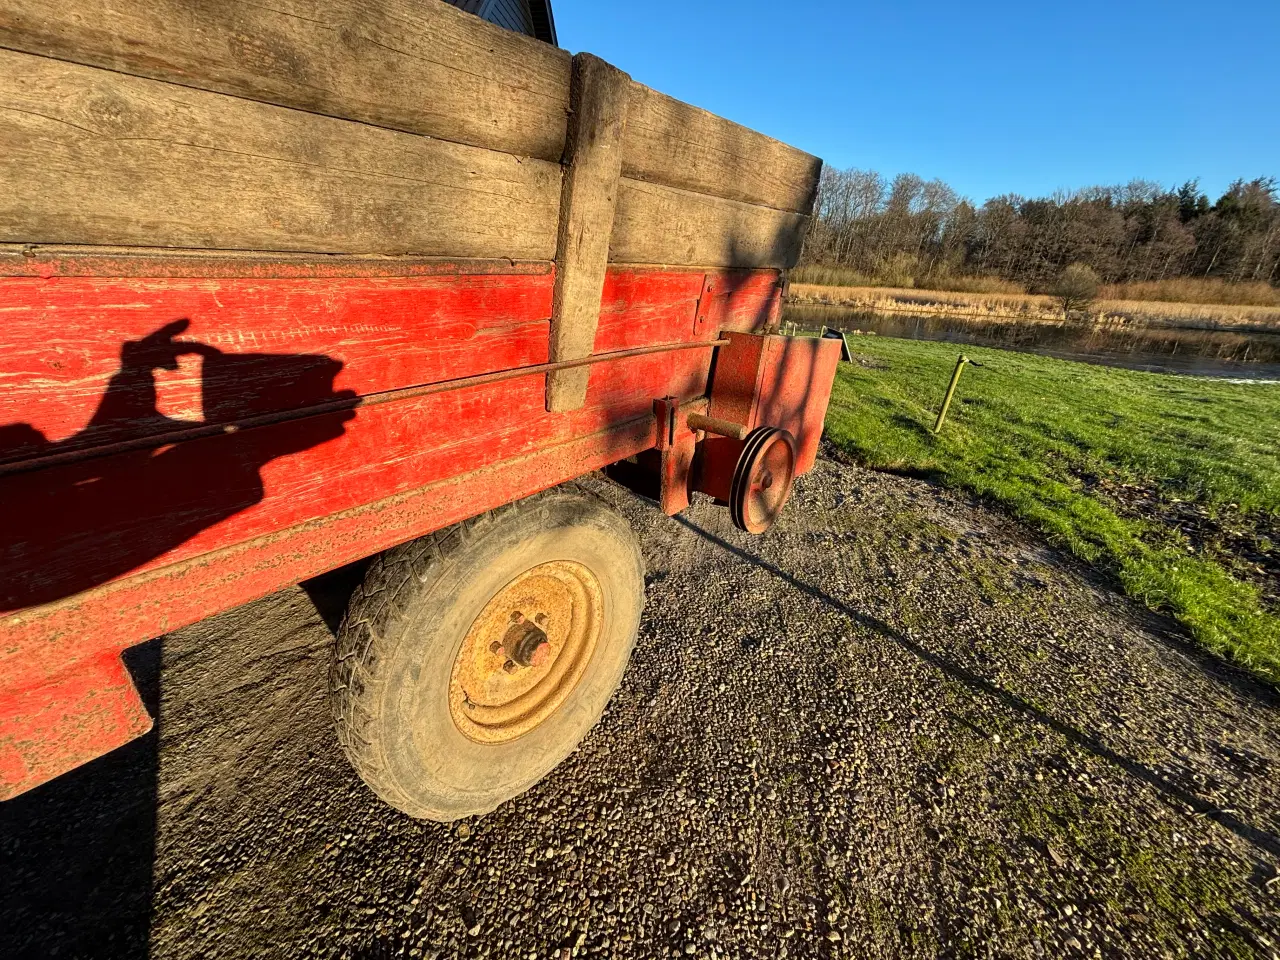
{"x": 531, "y": 17}
{"x": 544, "y": 24}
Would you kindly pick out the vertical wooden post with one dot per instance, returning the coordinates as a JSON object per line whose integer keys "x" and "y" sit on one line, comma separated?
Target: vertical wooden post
{"x": 951, "y": 392}
{"x": 593, "y": 165}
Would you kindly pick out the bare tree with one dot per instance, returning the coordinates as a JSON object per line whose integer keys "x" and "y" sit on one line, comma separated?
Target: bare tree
{"x": 1076, "y": 288}
{"x": 908, "y": 230}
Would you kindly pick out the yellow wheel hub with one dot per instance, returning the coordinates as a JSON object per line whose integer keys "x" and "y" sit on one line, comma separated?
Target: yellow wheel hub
{"x": 526, "y": 651}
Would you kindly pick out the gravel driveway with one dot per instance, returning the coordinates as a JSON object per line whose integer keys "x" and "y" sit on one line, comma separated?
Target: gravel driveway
{"x": 894, "y": 726}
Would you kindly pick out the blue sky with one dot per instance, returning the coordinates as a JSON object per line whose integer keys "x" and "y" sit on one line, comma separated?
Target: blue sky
{"x": 992, "y": 97}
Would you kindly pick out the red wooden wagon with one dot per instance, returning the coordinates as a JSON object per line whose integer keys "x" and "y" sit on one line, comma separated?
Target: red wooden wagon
{"x": 285, "y": 287}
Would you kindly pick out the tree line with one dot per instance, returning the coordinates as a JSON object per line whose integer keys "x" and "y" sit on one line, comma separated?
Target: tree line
{"x": 909, "y": 228}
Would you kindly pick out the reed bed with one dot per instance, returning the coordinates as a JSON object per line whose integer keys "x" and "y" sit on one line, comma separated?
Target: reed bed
{"x": 1023, "y": 307}
{"x": 1197, "y": 290}
{"x": 838, "y": 276}
{"x": 1211, "y": 291}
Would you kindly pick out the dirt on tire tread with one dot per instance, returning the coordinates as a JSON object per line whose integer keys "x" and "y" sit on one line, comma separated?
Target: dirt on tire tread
{"x": 374, "y": 614}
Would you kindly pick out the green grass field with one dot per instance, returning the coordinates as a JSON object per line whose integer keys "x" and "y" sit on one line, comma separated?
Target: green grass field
{"x": 1169, "y": 484}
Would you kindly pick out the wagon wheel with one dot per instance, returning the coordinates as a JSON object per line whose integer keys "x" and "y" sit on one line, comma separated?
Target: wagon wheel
{"x": 762, "y": 479}
{"x": 473, "y": 661}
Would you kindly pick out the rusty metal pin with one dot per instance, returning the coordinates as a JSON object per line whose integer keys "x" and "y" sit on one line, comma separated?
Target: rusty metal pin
{"x": 724, "y": 428}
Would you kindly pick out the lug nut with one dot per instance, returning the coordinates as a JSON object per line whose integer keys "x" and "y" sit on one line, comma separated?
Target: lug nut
{"x": 510, "y": 666}
{"x": 517, "y": 617}
{"x": 540, "y": 619}
{"x": 495, "y": 647}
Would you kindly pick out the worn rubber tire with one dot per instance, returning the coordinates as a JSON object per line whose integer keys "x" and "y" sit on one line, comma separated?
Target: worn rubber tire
{"x": 406, "y": 623}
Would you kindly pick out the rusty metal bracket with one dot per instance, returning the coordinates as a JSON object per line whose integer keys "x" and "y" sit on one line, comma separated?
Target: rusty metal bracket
{"x": 702, "y": 316}
{"x": 677, "y": 444}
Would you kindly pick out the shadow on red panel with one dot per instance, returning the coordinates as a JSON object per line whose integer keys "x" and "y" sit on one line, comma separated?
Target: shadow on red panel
{"x": 73, "y": 525}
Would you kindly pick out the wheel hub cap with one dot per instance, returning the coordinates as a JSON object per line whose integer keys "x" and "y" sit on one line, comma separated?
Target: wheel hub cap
{"x": 526, "y": 651}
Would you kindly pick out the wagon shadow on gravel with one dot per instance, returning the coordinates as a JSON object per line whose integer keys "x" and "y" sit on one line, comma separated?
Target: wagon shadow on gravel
{"x": 1265, "y": 842}
{"x": 77, "y": 853}
{"x": 1161, "y": 626}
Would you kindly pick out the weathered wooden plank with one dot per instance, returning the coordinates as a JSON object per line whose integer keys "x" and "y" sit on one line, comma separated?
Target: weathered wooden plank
{"x": 679, "y": 145}
{"x": 91, "y": 156}
{"x": 413, "y": 65}
{"x": 593, "y": 162}
{"x": 658, "y": 224}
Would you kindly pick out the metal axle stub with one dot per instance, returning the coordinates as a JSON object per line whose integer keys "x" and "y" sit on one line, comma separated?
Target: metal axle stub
{"x": 526, "y": 644}
{"x": 723, "y": 428}
{"x": 762, "y": 479}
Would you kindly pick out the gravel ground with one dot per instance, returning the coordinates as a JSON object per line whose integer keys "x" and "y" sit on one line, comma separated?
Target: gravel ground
{"x": 894, "y": 726}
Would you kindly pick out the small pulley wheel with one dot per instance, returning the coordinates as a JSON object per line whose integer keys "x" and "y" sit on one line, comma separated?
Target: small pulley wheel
{"x": 762, "y": 479}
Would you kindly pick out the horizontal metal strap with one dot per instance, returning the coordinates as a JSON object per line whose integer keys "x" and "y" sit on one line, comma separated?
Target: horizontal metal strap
{"x": 386, "y": 396}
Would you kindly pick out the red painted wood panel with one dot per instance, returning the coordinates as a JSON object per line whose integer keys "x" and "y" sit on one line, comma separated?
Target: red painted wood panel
{"x": 196, "y": 349}
{"x": 626, "y": 389}
{"x": 51, "y": 260}
{"x": 79, "y": 716}
{"x": 742, "y": 300}
{"x": 778, "y": 381}
{"x": 795, "y": 388}
{"x": 642, "y": 307}
{"x": 100, "y": 554}
{"x": 76, "y": 527}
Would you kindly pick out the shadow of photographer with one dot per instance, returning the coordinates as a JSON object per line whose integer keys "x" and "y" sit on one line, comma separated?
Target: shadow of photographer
{"x": 90, "y": 518}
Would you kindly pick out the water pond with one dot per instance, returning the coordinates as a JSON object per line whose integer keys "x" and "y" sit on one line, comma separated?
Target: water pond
{"x": 1205, "y": 353}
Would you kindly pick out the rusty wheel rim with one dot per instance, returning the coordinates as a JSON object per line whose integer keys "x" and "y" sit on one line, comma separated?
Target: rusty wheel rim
{"x": 526, "y": 651}
{"x": 762, "y": 479}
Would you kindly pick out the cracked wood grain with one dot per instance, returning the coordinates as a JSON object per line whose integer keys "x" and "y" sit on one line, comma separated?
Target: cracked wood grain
{"x": 420, "y": 67}
{"x": 593, "y": 164}
{"x": 90, "y": 156}
{"x": 660, "y": 224}
{"x": 678, "y": 145}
